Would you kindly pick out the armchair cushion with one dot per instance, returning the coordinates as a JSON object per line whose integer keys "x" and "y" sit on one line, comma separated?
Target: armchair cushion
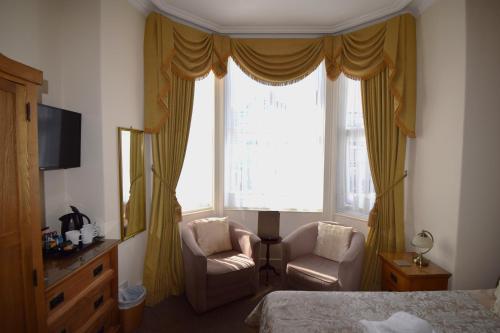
{"x": 227, "y": 269}
{"x": 212, "y": 235}
{"x": 312, "y": 272}
{"x": 227, "y": 262}
{"x": 333, "y": 241}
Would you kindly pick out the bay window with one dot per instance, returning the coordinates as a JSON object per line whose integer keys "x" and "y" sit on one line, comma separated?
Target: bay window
{"x": 274, "y": 152}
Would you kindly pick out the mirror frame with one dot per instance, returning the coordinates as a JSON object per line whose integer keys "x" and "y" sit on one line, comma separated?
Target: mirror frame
{"x": 120, "y": 176}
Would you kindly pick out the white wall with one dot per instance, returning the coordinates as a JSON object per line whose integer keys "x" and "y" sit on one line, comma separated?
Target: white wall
{"x": 454, "y": 161}
{"x": 122, "y": 30}
{"x": 20, "y": 38}
{"x": 81, "y": 92}
{"x": 435, "y": 156}
{"x": 477, "y": 264}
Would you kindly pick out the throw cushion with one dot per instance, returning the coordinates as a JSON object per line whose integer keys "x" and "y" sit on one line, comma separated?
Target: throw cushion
{"x": 333, "y": 241}
{"x": 212, "y": 235}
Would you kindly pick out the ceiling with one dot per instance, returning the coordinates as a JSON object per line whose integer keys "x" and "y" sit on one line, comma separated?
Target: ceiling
{"x": 279, "y": 16}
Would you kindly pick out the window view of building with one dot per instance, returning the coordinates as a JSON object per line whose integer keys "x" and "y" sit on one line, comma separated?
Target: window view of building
{"x": 195, "y": 190}
{"x": 274, "y": 143}
{"x": 354, "y": 187}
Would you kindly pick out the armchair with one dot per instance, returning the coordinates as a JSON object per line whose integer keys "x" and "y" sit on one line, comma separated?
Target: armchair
{"x": 222, "y": 277}
{"x": 304, "y": 270}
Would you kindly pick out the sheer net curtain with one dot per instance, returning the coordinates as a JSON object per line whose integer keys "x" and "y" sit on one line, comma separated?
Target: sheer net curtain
{"x": 354, "y": 186}
{"x": 195, "y": 190}
{"x": 274, "y": 143}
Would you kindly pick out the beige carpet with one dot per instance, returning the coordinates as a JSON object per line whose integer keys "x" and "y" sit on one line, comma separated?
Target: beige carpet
{"x": 176, "y": 315}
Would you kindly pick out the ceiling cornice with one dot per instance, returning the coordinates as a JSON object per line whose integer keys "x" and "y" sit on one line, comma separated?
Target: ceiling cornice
{"x": 416, "y": 7}
{"x": 144, "y": 6}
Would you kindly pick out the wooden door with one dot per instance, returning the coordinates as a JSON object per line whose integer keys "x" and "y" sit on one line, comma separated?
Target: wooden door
{"x": 20, "y": 253}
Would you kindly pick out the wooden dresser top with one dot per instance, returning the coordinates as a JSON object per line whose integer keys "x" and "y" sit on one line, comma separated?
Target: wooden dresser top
{"x": 414, "y": 270}
{"x": 59, "y": 268}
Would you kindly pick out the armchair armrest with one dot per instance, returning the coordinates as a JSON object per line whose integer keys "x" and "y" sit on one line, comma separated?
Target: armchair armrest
{"x": 195, "y": 268}
{"x": 351, "y": 265}
{"x": 244, "y": 241}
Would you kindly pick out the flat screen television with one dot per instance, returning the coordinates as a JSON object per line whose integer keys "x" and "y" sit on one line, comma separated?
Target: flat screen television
{"x": 59, "y": 133}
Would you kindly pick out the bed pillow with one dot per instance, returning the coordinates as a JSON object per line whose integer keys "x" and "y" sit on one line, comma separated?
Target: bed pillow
{"x": 212, "y": 235}
{"x": 333, "y": 241}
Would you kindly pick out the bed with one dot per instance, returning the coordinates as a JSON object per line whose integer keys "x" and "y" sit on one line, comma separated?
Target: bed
{"x": 306, "y": 311}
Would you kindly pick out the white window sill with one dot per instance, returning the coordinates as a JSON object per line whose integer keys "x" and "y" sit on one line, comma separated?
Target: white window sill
{"x": 280, "y": 210}
{"x": 197, "y": 214}
{"x": 353, "y": 216}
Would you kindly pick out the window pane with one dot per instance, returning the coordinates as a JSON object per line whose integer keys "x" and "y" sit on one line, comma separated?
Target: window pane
{"x": 196, "y": 184}
{"x": 355, "y": 191}
{"x": 274, "y": 143}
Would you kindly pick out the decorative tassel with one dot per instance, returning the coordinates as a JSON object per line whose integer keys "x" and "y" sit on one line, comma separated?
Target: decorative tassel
{"x": 372, "y": 218}
{"x": 178, "y": 210}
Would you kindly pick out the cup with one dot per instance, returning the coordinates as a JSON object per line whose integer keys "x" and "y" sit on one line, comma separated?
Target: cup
{"x": 88, "y": 233}
{"x": 73, "y": 236}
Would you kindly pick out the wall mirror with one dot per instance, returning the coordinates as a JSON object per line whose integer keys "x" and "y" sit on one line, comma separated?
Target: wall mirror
{"x": 132, "y": 181}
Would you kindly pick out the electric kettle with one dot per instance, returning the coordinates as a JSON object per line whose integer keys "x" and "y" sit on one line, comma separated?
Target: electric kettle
{"x": 72, "y": 221}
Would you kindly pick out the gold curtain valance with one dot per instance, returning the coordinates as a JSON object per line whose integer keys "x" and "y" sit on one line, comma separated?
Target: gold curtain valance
{"x": 170, "y": 47}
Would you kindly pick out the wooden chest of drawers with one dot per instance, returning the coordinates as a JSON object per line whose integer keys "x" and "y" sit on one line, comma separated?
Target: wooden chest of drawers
{"x": 81, "y": 292}
{"x": 413, "y": 277}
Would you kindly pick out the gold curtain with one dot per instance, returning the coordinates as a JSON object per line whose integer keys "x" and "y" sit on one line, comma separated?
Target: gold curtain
{"x": 277, "y": 61}
{"x": 171, "y": 47}
{"x": 136, "y": 205}
{"x": 163, "y": 270}
{"x": 386, "y": 145}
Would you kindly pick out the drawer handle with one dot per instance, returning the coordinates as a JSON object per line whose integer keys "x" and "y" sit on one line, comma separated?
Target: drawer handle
{"x": 394, "y": 278}
{"x": 98, "y": 270}
{"x": 98, "y": 302}
{"x": 56, "y": 300}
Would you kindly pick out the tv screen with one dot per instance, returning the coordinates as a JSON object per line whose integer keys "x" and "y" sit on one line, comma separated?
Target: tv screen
{"x": 59, "y": 134}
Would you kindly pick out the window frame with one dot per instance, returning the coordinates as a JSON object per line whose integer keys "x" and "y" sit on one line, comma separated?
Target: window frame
{"x": 334, "y": 91}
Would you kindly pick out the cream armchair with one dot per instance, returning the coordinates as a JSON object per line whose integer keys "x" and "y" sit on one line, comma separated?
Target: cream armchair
{"x": 222, "y": 277}
{"x": 304, "y": 270}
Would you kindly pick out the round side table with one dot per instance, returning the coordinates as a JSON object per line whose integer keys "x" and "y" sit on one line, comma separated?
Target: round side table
{"x": 267, "y": 266}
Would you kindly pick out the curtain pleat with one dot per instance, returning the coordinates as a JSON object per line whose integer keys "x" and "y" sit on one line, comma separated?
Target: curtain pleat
{"x": 163, "y": 270}
{"x": 386, "y": 145}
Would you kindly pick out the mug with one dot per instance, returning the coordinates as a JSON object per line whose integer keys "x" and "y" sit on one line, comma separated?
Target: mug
{"x": 89, "y": 231}
{"x": 73, "y": 236}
